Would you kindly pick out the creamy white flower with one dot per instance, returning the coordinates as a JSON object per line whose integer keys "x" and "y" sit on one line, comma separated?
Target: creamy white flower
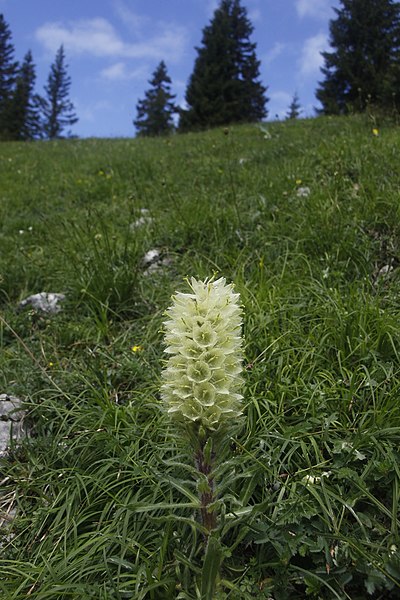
{"x": 202, "y": 378}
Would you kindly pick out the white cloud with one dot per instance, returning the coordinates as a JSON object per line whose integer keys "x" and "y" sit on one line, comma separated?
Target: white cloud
{"x": 98, "y": 37}
{"x": 211, "y": 7}
{"x": 310, "y": 60}
{"x": 129, "y": 18}
{"x": 180, "y": 85}
{"x": 281, "y": 98}
{"x": 279, "y": 104}
{"x": 275, "y": 51}
{"x": 119, "y": 71}
{"x": 93, "y": 36}
{"x": 318, "y": 9}
{"x": 89, "y": 113}
{"x": 115, "y": 71}
{"x": 254, "y": 15}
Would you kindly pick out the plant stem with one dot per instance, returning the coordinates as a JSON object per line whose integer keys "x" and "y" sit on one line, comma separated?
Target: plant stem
{"x": 204, "y": 465}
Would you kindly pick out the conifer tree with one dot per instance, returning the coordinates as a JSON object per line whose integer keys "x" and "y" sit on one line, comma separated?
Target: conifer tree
{"x": 8, "y": 74}
{"x": 364, "y": 64}
{"x": 24, "y": 122}
{"x": 294, "y": 110}
{"x": 155, "y": 112}
{"x": 224, "y": 86}
{"x": 58, "y": 111}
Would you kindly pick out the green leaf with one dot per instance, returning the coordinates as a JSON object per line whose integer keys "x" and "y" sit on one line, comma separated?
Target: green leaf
{"x": 211, "y": 566}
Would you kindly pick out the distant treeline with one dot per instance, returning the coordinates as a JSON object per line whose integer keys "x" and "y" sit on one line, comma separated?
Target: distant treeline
{"x": 24, "y": 114}
{"x": 361, "y": 71}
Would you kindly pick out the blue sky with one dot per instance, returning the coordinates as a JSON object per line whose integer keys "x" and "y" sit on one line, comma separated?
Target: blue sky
{"x": 113, "y": 46}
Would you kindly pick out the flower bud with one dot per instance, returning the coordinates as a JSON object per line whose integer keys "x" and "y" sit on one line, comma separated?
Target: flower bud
{"x": 202, "y": 378}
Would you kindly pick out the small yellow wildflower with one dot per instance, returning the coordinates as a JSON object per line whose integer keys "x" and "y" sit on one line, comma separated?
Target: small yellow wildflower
{"x": 375, "y": 132}
{"x": 51, "y": 364}
{"x": 103, "y": 173}
{"x": 298, "y": 182}
{"x": 137, "y": 348}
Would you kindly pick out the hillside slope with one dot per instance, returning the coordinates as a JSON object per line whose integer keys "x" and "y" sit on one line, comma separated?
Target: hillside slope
{"x": 100, "y": 500}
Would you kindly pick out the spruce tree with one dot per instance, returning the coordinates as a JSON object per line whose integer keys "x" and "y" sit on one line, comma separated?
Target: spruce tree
{"x": 24, "y": 122}
{"x": 155, "y": 112}
{"x": 224, "y": 87}
{"x": 294, "y": 109}
{"x": 364, "y": 65}
{"x": 8, "y": 74}
{"x": 58, "y": 111}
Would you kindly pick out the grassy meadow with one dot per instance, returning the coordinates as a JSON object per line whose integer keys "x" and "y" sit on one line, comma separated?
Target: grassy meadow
{"x": 304, "y": 218}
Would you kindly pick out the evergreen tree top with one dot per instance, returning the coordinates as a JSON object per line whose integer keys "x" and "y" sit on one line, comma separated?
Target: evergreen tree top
{"x": 155, "y": 112}
{"x": 363, "y": 64}
{"x": 57, "y": 108}
{"x": 294, "y": 110}
{"x": 160, "y": 75}
{"x": 24, "y": 117}
{"x": 8, "y": 66}
{"x": 224, "y": 86}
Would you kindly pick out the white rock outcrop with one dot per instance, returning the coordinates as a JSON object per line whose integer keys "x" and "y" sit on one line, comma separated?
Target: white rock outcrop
{"x": 46, "y": 302}
{"x": 11, "y": 421}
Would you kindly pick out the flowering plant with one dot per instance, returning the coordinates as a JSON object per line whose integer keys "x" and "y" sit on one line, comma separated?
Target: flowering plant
{"x": 202, "y": 377}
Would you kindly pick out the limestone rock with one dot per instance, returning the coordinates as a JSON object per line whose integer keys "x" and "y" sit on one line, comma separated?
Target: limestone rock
{"x": 11, "y": 421}
{"x": 154, "y": 261}
{"x": 46, "y": 302}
